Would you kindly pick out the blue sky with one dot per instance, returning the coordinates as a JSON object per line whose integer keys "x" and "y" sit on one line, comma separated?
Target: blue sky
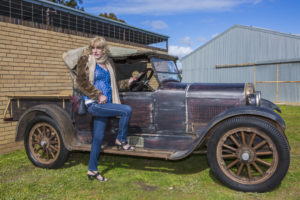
{"x": 192, "y": 23}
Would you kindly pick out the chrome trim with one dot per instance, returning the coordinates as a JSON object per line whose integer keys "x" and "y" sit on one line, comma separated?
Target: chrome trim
{"x": 258, "y": 98}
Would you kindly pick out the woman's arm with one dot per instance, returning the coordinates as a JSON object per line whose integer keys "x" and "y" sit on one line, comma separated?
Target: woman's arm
{"x": 82, "y": 79}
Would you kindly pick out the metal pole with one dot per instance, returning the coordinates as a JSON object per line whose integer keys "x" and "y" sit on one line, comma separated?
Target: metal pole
{"x": 48, "y": 16}
{"x": 129, "y": 36}
{"x": 97, "y": 28}
{"x": 32, "y": 12}
{"x": 277, "y": 82}
{"x": 22, "y": 10}
{"x": 90, "y": 26}
{"x": 114, "y": 31}
{"x": 83, "y": 25}
{"x": 167, "y": 45}
{"x": 102, "y": 28}
{"x": 254, "y": 68}
{"x": 124, "y": 34}
{"x": 9, "y": 8}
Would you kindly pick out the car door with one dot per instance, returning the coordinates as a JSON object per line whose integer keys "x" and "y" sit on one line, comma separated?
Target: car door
{"x": 169, "y": 111}
{"x": 141, "y": 120}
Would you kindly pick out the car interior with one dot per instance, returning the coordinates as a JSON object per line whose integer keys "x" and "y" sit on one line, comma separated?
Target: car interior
{"x": 142, "y": 70}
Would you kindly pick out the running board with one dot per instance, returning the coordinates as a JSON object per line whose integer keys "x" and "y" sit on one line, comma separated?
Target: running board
{"x": 137, "y": 152}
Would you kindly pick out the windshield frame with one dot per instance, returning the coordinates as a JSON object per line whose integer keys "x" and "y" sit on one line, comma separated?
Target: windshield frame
{"x": 156, "y": 72}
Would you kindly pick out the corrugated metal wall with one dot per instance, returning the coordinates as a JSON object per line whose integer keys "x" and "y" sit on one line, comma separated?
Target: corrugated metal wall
{"x": 279, "y": 83}
{"x": 241, "y": 45}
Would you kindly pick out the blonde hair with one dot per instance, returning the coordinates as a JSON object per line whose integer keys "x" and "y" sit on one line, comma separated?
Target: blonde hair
{"x": 99, "y": 42}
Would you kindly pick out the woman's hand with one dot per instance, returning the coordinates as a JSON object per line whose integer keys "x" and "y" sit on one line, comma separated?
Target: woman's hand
{"x": 131, "y": 80}
{"x": 102, "y": 99}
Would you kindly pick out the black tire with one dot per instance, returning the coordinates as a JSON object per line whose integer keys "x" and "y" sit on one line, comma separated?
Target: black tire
{"x": 248, "y": 154}
{"x": 43, "y": 143}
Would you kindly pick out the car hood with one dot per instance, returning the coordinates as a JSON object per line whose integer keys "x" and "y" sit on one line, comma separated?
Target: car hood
{"x": 209, "y": 90}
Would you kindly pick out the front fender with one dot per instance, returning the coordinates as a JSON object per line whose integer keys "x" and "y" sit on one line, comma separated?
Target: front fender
{"x": 270, "y": 105}
{"x": 261, "y": 112}
{"x": 264, "y": 112}
{"x": 56, "y": 113}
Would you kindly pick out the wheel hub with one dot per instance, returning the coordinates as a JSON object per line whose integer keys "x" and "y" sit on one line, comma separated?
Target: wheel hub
{"x": 44, "y": 142}
{"x": 246, "y": 154}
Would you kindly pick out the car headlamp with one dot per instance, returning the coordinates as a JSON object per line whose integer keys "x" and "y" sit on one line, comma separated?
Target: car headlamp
{"x": 254, "y": 99}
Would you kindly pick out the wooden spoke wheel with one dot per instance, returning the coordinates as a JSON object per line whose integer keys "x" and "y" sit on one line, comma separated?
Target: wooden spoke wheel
{"x": 43, "y": 143}
{"x": 248, "y": 154}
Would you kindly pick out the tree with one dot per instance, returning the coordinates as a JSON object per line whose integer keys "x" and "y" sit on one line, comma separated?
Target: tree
{"x": 111, "y": 16}
{"x": 69, "y": 3}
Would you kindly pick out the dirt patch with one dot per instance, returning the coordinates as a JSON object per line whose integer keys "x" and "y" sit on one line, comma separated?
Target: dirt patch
{"x": 146, "y": 187}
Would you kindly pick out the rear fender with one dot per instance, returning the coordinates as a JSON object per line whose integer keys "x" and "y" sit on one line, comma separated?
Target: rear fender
{"x": 56, "y": 113}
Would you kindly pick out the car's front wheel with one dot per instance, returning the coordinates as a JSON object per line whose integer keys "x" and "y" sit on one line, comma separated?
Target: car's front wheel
{"x": 248, "y": 154}
{"x": 43, "y": 143}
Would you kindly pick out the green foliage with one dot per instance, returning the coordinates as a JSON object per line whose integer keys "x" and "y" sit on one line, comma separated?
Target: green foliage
{"x": 69, "y": 3}
{"x": 139, "y": 178}
{"x": 111, "y": 16}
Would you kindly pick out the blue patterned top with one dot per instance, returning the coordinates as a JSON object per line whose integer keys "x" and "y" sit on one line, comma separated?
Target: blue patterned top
{"x": 102, "y": 82}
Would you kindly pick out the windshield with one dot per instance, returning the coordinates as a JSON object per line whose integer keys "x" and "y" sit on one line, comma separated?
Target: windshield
{"x": 165, "y": 69}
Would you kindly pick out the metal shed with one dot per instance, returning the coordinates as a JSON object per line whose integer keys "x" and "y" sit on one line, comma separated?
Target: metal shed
{"x": 269, "y": 59}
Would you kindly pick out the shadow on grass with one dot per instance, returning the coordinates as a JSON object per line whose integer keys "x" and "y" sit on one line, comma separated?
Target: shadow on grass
{"x": 190, "y": 165}
{"x": 214, "y": 178}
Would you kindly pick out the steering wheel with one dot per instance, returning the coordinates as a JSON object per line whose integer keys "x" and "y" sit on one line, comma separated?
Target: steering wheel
{"x": 142, "y": 81}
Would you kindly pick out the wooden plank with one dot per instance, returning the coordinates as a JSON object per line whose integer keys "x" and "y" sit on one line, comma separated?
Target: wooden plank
{"x": 33, "y": 96}
{"x": 278, "y": 82}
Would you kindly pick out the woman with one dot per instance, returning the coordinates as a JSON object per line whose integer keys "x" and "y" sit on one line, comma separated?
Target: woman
{"x": 96, "y": 79}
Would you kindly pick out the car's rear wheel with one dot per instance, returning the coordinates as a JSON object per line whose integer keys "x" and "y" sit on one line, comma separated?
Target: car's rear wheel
{"x": 248, "y": 154}
{"x": 43, "y": 143}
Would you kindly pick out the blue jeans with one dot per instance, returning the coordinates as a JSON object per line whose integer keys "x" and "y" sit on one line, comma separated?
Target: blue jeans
{"x": 101, "y": 112}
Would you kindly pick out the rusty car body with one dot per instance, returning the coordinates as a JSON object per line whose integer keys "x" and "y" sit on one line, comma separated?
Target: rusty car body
{"x": 245, "y": 140}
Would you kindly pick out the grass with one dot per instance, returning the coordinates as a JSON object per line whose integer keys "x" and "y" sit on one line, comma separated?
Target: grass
{"x": 139, "y": 178}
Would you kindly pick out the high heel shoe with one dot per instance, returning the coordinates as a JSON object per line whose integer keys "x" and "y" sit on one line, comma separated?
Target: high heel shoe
{"x": 125, "y": 146}
{"x": 95, "y": 176}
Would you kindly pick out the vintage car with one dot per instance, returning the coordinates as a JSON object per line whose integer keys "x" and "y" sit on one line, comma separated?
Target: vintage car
{"x": 244, "y": 138}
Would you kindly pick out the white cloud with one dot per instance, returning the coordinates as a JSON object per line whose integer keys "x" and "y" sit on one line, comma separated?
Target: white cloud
{"x": 214, "y": 35}
{"x": 186, "y": 41}
{"x": 179, "y": 51}
{"x": 156, "y": 24}
{"x": 159, "y": 7}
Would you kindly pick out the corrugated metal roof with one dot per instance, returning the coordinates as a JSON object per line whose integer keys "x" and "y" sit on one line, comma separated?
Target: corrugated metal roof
{"x": 242, "y": 27}
{"x": 93, "y": 16}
